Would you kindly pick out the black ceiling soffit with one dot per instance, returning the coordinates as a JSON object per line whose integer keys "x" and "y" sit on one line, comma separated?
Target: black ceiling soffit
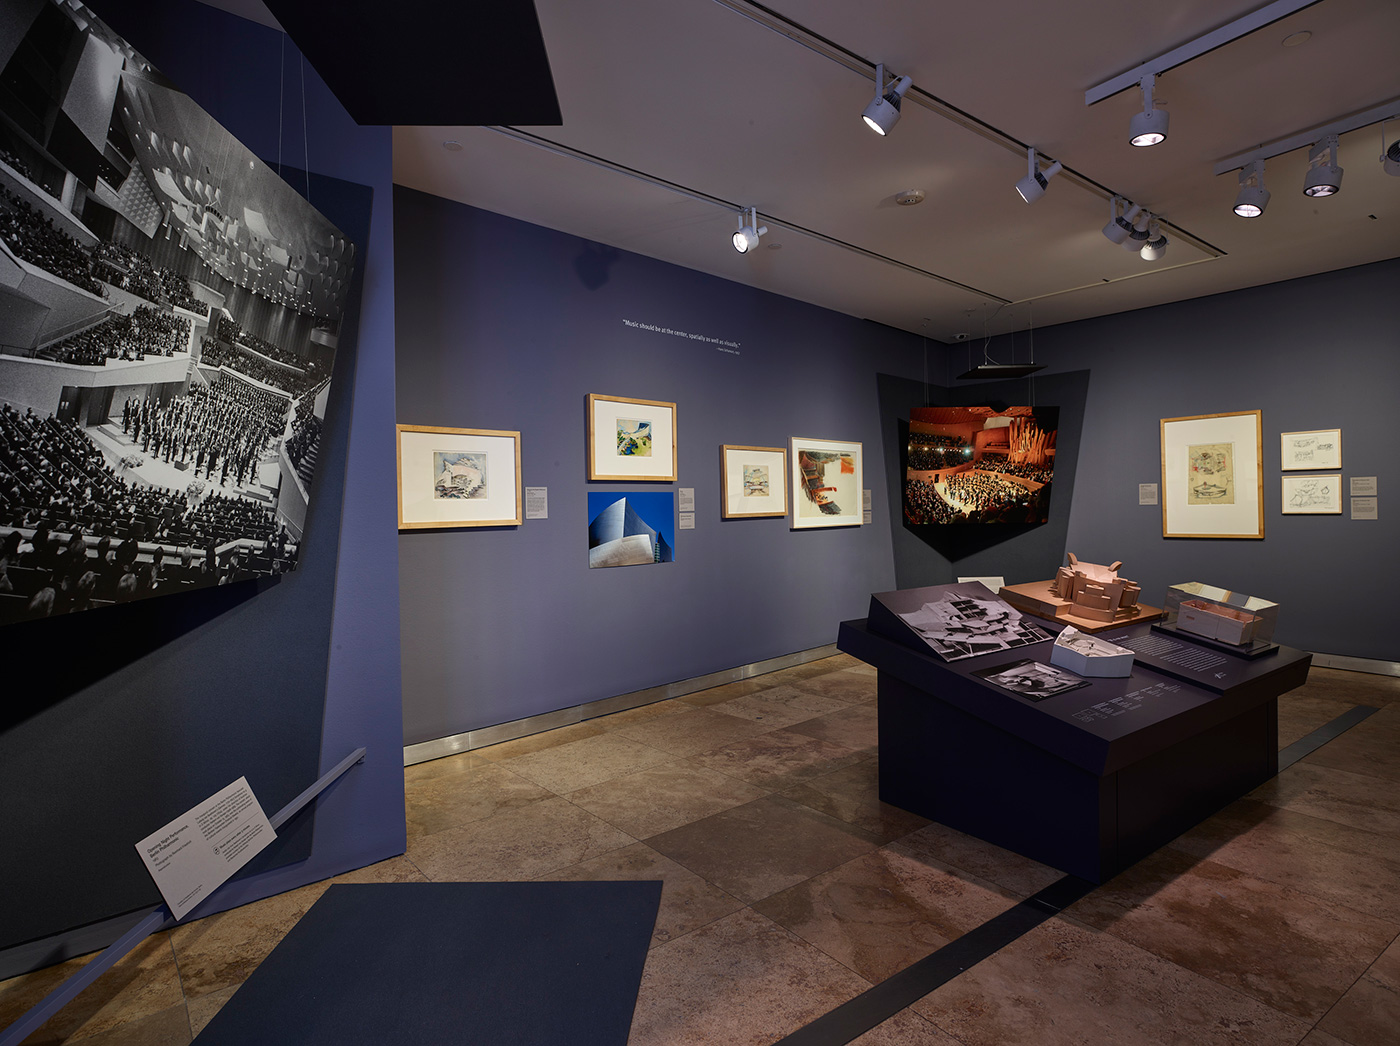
{"x": 426, "y": 62}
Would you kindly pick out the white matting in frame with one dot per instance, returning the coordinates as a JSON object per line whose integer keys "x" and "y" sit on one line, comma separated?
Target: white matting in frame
{"x": 1213, "y": 476}
{"x": 631, "y": 439}
{"x": 754, "y": 481}
{"x": 1310, "y": 451}
{"x": 458, "y": 477}
{"x": 826, "y": 483}
{"x": 1312, "y": 495}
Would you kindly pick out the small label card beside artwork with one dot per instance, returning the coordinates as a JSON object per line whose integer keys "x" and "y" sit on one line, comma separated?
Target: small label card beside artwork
{"x": 1147, "y": 493}
{"x": 1363, "y": 486}
{"x": 536, "y": 502}
{"x": 200, "y": 850}
{"x": 686, "y": 500}
{"x": 1365, "y": 508}
{"x": 687, "y": 521}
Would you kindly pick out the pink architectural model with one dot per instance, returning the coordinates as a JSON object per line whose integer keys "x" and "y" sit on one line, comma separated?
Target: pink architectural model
{"x": 1096, "y": 591}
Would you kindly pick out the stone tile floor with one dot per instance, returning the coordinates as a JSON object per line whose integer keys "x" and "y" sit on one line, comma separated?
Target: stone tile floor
{"x": 790, "y": 889}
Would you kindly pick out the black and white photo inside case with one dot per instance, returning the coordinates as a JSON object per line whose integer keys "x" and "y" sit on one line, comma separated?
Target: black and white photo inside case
{"x": 1033, "y": 679}
{"x": 169, "y": 314}
{"x": 967, "y": 621}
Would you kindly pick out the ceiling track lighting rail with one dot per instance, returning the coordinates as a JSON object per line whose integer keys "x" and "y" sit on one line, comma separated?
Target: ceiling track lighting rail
{"x": 1376, "y": 114}
{"x": 799, "y": 34}
{"x": 567, "y": 152}
{"x": 1242, "y": 26}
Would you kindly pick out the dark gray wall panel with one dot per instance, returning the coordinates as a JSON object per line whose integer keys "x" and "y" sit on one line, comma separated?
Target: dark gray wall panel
{"x": 505, "y": 325}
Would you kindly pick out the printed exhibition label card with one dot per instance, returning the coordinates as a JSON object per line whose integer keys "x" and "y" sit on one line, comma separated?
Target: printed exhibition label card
{"x": 536, "y": 502}
{"x": 200, "y": 850}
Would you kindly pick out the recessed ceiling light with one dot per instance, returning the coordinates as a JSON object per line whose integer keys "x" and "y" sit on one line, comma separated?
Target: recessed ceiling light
{"x": 452, "y": 145}
{"x": 1294, "y": 39}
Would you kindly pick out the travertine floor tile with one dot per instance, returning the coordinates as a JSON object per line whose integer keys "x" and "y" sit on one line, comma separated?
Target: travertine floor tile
{"x": 780, "y": 759}
{"x": 949, "y": 848}
{"x": 456, "y": 799}
{"x": 694, "y": 731}
{"x": 883, "y": 911}
{"x": 523, "y": 843}
{"x": 140, "y": 986}
{"x": 765, "y": 846}
{"x": 664, "y": 797}
{"x": 741, "y": 981}
{"x": 591, "y": 761}
{"x": 419, "y": 773}
{"x": 641, "y": 714}
{"x": 687, "y": 901}
{"x": 1331, "y": 861}
{"x": 852, "y": 794}
{"x": 905, "y": 1028}
{"x": 726, "y": 691}
{"x": 1289, "y": 950}
{"x": 1063, "y": 984}
{"x": 562, "y": 735}
{"x": 780, "y": 706}
{"x": 168, "y": 1027}
{"x": 203, "y": 1008}
{"x": 1300, "y": 712}
{"x": 1358, "y": 800}
{"x": 853, "y": 685}
{"x": 1372, "y": 747}
{"x": 1358, "y": 688}
{"x": 1369, "y": 1013}
{"x": 855, "y": 726}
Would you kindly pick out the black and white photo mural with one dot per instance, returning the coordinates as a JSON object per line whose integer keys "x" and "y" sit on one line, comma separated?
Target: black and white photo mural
{"x": 169, "y": 314}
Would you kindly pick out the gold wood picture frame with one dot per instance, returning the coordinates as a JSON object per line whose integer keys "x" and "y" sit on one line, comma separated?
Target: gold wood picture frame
{"x": 458, "y": 477}
{"x": 1213, "y": 476}
{"x": 826, "y": 483}
{"x": 753, "y": 481}
{"x": 631, "y": 439}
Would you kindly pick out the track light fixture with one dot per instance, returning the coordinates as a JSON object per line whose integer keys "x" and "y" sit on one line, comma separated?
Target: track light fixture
{"x": 1148, "y": 127}
{"x": 1253, "y": 197}
{"x": 1032, "y": 186}
{"x": 1156, "y": 244}
{"x": 746, "y": 239}
{"x": 1324, "y": 177}
{"x": 1138, "y": 236}
{"x": 1390, "y": 159}
{"x": 1119, "y": 227}
{"x": 883, "y": 113}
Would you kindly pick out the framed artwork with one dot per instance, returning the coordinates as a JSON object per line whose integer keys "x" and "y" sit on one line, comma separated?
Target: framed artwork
{"x": 1319, "y": 449}
{"x": 458, "y": 477}
{"x": 826, "y": 483}
{"x": 1213, "y": 476}
{"x": 1312, "y": 495}
{"x": 754, "y": 481}
{"x": 631, "y": 439}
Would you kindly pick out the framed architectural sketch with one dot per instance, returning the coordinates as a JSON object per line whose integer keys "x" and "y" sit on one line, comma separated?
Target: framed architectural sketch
{"x": 754, "y": 481}
{"x": 826, "y": 483}
{"x": 631, "y": 439}
{"x": 1213, "y": 476}
{"x": 458, "y": 477}
{"x": 1312, "y": 495}
{"x": 1304, "y": 451}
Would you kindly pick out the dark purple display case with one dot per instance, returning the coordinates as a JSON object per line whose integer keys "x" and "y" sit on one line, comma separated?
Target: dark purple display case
{"x": 1089, "y": 781}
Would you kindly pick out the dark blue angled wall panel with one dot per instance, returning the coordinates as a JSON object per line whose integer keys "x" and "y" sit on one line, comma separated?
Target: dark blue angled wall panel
{"x": 506, "y": 325}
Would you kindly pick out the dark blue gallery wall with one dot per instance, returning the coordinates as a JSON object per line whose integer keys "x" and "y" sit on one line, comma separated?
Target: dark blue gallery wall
{"x": 236, "y": 69}
{"x": 506, "y": 325}
{"x": 1313, "y": 353}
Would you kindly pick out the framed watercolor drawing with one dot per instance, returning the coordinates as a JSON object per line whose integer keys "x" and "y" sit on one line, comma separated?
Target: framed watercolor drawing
{"x": 631, "y": 439}
{"x": 826, "y": 483}
{"x": 1312, "y": 495}
{"x": 754, "y": 481}
{"x": 1213, "y": 476}
{"x": 1320, "y": 449}
{"x": 458, "y": 477}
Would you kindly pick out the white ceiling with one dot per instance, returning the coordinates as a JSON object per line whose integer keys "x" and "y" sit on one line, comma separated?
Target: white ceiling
{"x": 706, "y": 96}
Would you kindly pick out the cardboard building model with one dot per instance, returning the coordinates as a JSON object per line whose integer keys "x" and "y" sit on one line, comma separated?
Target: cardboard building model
{"x": 1096, "y": 591}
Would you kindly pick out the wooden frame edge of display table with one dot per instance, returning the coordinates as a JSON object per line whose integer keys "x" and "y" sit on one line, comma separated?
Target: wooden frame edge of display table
{"x": 1089, "y": 781}
{"x": 1036, "y": 599}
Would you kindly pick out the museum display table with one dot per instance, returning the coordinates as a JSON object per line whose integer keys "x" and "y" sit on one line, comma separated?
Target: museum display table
{"x": 1088, "y": 781}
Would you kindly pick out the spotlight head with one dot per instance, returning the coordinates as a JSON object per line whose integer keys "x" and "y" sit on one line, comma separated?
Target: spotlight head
{"x": 746, "y": 239}
{"x": 883, "y": 111}
{"x": 1390, "y": 159}
{"x": 1138, "y": 236}
{"x": 1119, "y": 226}
{"x": 1253, "y": 197}
{"x": 1324, "y": 177}
{"x": 1148, "y": 127}
{"x": 1156, "y": 245}
{"x": 1032, "y": 186}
